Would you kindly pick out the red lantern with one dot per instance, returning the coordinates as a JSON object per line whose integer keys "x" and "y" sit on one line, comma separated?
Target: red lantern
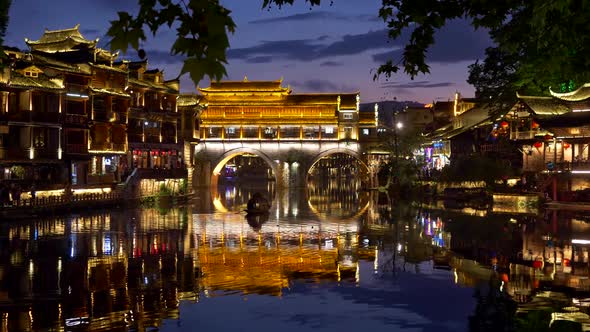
{"x": 504, "y": 124}
{"x": 534, "y": 125}
{"x": 548, "y": 137}
{"x": 566, "y": 262}
{"x": 538, "y": 264}
{"x": 505, "y": 277}
{"x": 566, "y": 146}
{"x": 538, "y": 144}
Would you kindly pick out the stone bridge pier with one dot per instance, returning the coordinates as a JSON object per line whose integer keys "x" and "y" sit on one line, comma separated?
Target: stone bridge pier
{"x": 290, "y": 161}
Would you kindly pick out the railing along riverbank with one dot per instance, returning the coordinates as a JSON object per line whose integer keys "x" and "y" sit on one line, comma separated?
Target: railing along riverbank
{"x": 56, "y": 204}
{"x": 50, "y": 205}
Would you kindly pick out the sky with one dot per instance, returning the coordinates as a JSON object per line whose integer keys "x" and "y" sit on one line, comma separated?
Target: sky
{"x": 331, "y": 48}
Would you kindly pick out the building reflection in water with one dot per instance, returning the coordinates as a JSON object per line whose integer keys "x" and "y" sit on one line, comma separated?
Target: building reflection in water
{"x": 130, "y": 269}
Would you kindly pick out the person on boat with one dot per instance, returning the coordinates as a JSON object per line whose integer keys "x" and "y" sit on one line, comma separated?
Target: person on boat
{"x": 258, "y": 203}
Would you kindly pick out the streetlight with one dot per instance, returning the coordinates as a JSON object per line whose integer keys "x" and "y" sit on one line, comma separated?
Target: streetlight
{"x": 397, "y": 125}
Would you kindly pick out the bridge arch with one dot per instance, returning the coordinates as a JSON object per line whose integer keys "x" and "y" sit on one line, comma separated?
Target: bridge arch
{"x": 220, "y": 162}
{"x": 350, "y": 152}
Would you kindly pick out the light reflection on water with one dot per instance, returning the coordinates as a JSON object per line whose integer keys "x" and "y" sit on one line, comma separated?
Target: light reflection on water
{"x": 327, "y": 258}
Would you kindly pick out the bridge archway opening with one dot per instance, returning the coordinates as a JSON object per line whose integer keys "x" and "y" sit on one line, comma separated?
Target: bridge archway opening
{"x": 333, "y": 186}
{"x": 237, "y": 176}
{"x": 340, "y": 168}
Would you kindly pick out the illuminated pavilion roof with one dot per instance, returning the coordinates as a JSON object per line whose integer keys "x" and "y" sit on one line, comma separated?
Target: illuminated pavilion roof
{"x": 544, "y": 105}
{"x": 61, "y": 40}
{"x": 188, "y": 100}
{"x": 582, "y": 93}
{"x": 269, "y": 92}
{"x": 245, "y": 86}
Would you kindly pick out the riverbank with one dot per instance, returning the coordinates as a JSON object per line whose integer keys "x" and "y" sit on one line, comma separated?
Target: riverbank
{"x": 56, "y": 205}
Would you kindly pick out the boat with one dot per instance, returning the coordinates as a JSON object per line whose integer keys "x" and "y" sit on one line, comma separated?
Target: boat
{"x": 257, "y": 205}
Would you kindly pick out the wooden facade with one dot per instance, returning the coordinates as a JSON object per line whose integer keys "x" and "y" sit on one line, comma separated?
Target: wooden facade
{"x": 264, "y": 110}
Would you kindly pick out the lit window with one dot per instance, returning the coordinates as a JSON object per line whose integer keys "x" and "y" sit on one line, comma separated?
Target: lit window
{"x": 231, "y": 130}
{"x": 365, "y": 131}
{"x": 329, "y": 130}
{"x": 347, "y": 116}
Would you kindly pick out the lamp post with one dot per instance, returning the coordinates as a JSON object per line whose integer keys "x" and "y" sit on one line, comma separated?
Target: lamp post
{"x": 396, "y": 125}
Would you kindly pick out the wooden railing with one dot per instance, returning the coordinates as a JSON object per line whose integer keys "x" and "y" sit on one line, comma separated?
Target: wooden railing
{"x": 582, "y": 165}
{"x": 61, "y": 201}
{"x": 76, "y": 119}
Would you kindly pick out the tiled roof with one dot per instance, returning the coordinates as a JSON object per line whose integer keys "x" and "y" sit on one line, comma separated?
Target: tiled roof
{"x": 110, "y": 92}
{"x": 41, "y": 82}
{"x": 115, "y": 69}
{"x": 60, "y": 65}
{"x": 150, "y": 85}
{"x": 52, "y": 39}
{"x": 544, "y": 105}
{"x": 581, "y": 93}
{"x": 188, "y": 100}
{"x": 245, "y": 86}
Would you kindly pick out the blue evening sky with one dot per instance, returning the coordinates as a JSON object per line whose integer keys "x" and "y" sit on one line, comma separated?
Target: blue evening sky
{"x": 329, "y": 48}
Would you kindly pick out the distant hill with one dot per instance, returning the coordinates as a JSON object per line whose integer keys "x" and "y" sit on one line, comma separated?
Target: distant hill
{"x": 387, "y": 107}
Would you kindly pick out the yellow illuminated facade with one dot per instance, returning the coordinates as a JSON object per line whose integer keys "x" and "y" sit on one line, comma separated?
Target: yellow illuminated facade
{"x": 265, "y": 110}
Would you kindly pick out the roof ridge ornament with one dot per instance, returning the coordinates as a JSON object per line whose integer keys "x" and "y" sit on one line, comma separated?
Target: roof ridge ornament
{"x": 245, "y": 78}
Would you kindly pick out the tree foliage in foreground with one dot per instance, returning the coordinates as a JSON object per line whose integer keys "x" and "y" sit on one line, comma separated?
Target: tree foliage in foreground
{"x": 538, "y": 43}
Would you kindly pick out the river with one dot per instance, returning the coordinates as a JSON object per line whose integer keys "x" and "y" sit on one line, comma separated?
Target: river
{"x": 328, "y": 258}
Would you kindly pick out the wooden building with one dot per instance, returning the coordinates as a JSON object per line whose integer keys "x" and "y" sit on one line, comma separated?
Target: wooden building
{"x": 153, "y": 118}
{"x": 264, "y": 110}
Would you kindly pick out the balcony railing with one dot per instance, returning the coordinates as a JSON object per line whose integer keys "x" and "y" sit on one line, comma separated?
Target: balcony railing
{"x": 101, "y": 146}
{"x": 31, "y": 116}
{"x": 522, "y": 135}
{"x": 76, "y": 90}
{"x": 76, "y": 119}
{"x": 582, "y": 165}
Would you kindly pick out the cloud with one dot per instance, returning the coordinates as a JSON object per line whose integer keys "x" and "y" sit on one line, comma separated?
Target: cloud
{"x": 317, "y": 15}
{"x": 415, "y": 85}
{"x": 319, "y": 85}
{"x": 457, "y": 41}
{"x": 331, "y": 64}
{"x": 162, "y": 57}
{"x": 260, "y": 59}
{"x": 450, "y": 46}
{"x": 300, "y": 49}
{"x": 312, "y": 49}
{"x": 89, "y": 31}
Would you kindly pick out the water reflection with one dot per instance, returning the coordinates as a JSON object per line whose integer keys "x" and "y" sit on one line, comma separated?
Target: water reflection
{"x": 137, "y": 269}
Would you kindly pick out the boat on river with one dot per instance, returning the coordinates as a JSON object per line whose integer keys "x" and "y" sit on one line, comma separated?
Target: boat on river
{"x": 257, "y": 205}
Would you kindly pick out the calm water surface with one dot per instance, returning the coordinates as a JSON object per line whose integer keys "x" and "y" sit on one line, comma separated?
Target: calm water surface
{"x": 329, "y": 258}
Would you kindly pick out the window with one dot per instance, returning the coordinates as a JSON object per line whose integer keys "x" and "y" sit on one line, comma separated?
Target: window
{"x": 365, "y": 131}
{"x": 329, "y": 130}
{"x": 30, "y": 73}
{"x": 231, "y": 130}
{"x": 347, "y": 116}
